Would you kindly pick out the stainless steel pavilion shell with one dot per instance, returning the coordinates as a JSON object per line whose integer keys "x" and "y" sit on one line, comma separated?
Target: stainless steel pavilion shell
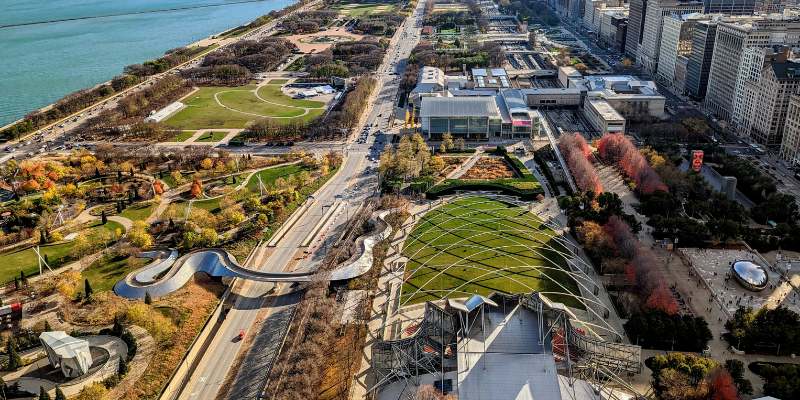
{"x": 750, "y": 275}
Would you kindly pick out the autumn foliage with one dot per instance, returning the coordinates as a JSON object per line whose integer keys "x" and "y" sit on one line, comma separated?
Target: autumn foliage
{"x": 196, "y": 190}
{"x": 578, "y": 155}
{"x": 640, "y": 269}
{"x": 616, "y": 149}
{"x": 721, "y": 385}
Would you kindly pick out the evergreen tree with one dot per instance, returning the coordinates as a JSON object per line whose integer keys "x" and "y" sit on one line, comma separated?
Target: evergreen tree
{"x": 131, "y": 171}
{"x": 103, "y": 218}
{"x": 119, "y": 207}
{"x": 46, "y": 259}
{"x": 23, "y": 279}
{"x": 96, "y": 172}
{"x": 42, "y": 236}
{"x": 147, "y": 299}
{"x": 87, "y": 289}
{"x": 60, "y": 394}
{"x": 4, "y": 390}
{"x": 122, "y": 368}
{"x": 14, "y": 360}
{"x": 47, "y": 326}
{"x": 117, "y": 328}
{"x": 16, "y": 283}
{"x": 43, "y": 395}
{"x": 119, "y": 176}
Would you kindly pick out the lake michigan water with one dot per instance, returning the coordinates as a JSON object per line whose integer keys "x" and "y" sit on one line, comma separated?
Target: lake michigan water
{"x": 41, "y": 63}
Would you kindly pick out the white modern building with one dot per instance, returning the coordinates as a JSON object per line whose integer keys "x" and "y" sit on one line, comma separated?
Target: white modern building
{"x": 603, "y": 117}
{"x": 654, "y": 15}
{"x": 677, "y": 35}
{"x": 70, "y": 354}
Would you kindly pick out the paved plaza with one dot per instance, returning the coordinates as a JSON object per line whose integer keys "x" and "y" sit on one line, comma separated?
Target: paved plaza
{"x": 713, "y": 267}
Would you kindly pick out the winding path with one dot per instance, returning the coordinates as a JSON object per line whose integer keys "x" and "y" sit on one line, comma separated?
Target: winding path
{"x": 220, "y": 263}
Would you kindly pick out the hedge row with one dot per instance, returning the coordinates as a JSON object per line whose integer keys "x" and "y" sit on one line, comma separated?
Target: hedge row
{"x": 524, "y": 189}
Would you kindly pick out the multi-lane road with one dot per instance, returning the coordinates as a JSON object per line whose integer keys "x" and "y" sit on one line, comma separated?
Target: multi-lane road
{"x": 355, "y": 181}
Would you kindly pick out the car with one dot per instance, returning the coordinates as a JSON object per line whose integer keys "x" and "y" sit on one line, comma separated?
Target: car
{"x": 240, "y": 336}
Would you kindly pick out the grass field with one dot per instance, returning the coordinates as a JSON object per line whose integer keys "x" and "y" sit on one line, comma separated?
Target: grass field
{"x": 277, "y": 81}
{"x": 480, "y": 245}
{"x": 211, "y": 137}
{"x": 360, "y": 10}
{"x": 183, "y": 136}
{"x": 270, "y": 175}
{"x": 138, "y": 211}
{"x": 106, "y": 271}
{"x": 226, "y": 107}
{"x": 11, "y": 263}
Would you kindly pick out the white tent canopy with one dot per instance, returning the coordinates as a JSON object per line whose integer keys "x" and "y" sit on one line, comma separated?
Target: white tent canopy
{"x": 70, "y": 354}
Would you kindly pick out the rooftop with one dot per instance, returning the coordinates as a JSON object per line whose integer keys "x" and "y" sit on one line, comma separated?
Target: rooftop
{"x": 467, "y": 106}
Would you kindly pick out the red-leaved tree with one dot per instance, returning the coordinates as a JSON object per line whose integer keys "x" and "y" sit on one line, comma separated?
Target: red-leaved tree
{"x": 615, "y": 148}
{"x": 721, "y": 385}
{"x": 577, "y": 154}
{"x": 661, "y": 299}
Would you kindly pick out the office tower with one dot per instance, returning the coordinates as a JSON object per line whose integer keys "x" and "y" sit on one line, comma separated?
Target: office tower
{"x": 699, "y": 59}
{"x": 647, "y": 54}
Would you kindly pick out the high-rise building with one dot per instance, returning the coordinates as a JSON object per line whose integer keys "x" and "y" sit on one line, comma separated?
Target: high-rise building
{"x": 637, "y": 10}
{"x": 648, "y": 49}
{"x": 770, "y": 6}
{"x": 612, "y": 19}
{"x": 790, "y": 144}
{"x": 699, "y": 60}
{"x": 767, "y": 100}
{"x": 677, "y": 35}
{"x": 731, "y": 7}
{"x": 739, "y": 57}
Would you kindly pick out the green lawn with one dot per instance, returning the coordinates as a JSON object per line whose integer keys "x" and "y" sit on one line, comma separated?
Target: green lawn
{"x": 139, "y": 211}
{"x": 106, "y": 271}
{"x": 273, "y": 93}
{"x": 11, "y": 263}
{"x": 211, "y": 137}
{"x": 183, "y": 136}
{"x": 270, "y": 175}
{"x": 277, "y": 81}
{"x": 359, "y": 10}
{"x": 241, "y": 106}
{"x": 478, "y": 245}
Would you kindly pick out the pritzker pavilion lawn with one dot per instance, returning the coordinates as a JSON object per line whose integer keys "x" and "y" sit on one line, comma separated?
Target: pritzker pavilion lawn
{"x": 483, "y": 245}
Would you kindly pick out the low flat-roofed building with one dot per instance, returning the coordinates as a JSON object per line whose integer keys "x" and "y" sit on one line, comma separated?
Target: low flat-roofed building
{"x": 552, "y": 97}
{"x": 165, "y": 112}
{"x": 603, "y": 117}
{"x": 633, "y": 98}
{"x": 490, "y": 78}
{"x": 567, "y": 73}
{"x": 478, "y": 115}
{"x": 470, "y": 117}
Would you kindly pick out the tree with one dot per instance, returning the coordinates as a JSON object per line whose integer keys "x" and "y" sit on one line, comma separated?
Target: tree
{"x": 14, "y": 360}
{"x": 95, "y": 391}
{"x": 138, "y": 235}
{"x": 103, "y": 218}
{"x": 87, "y": 289}
{"x": 47, "y": 326}
{"x": 736, "y": 369}
{"x": 60, "y": 394}
{"x": 147, "y": 298}
{"x": 196, "y": 189}
{"x": 460, "y": 144}
{"x": 447, "y": 141}
{"x": 43, "y": 395}
{"x": 122, "y": 367}
{"x": 722, "y": 386}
